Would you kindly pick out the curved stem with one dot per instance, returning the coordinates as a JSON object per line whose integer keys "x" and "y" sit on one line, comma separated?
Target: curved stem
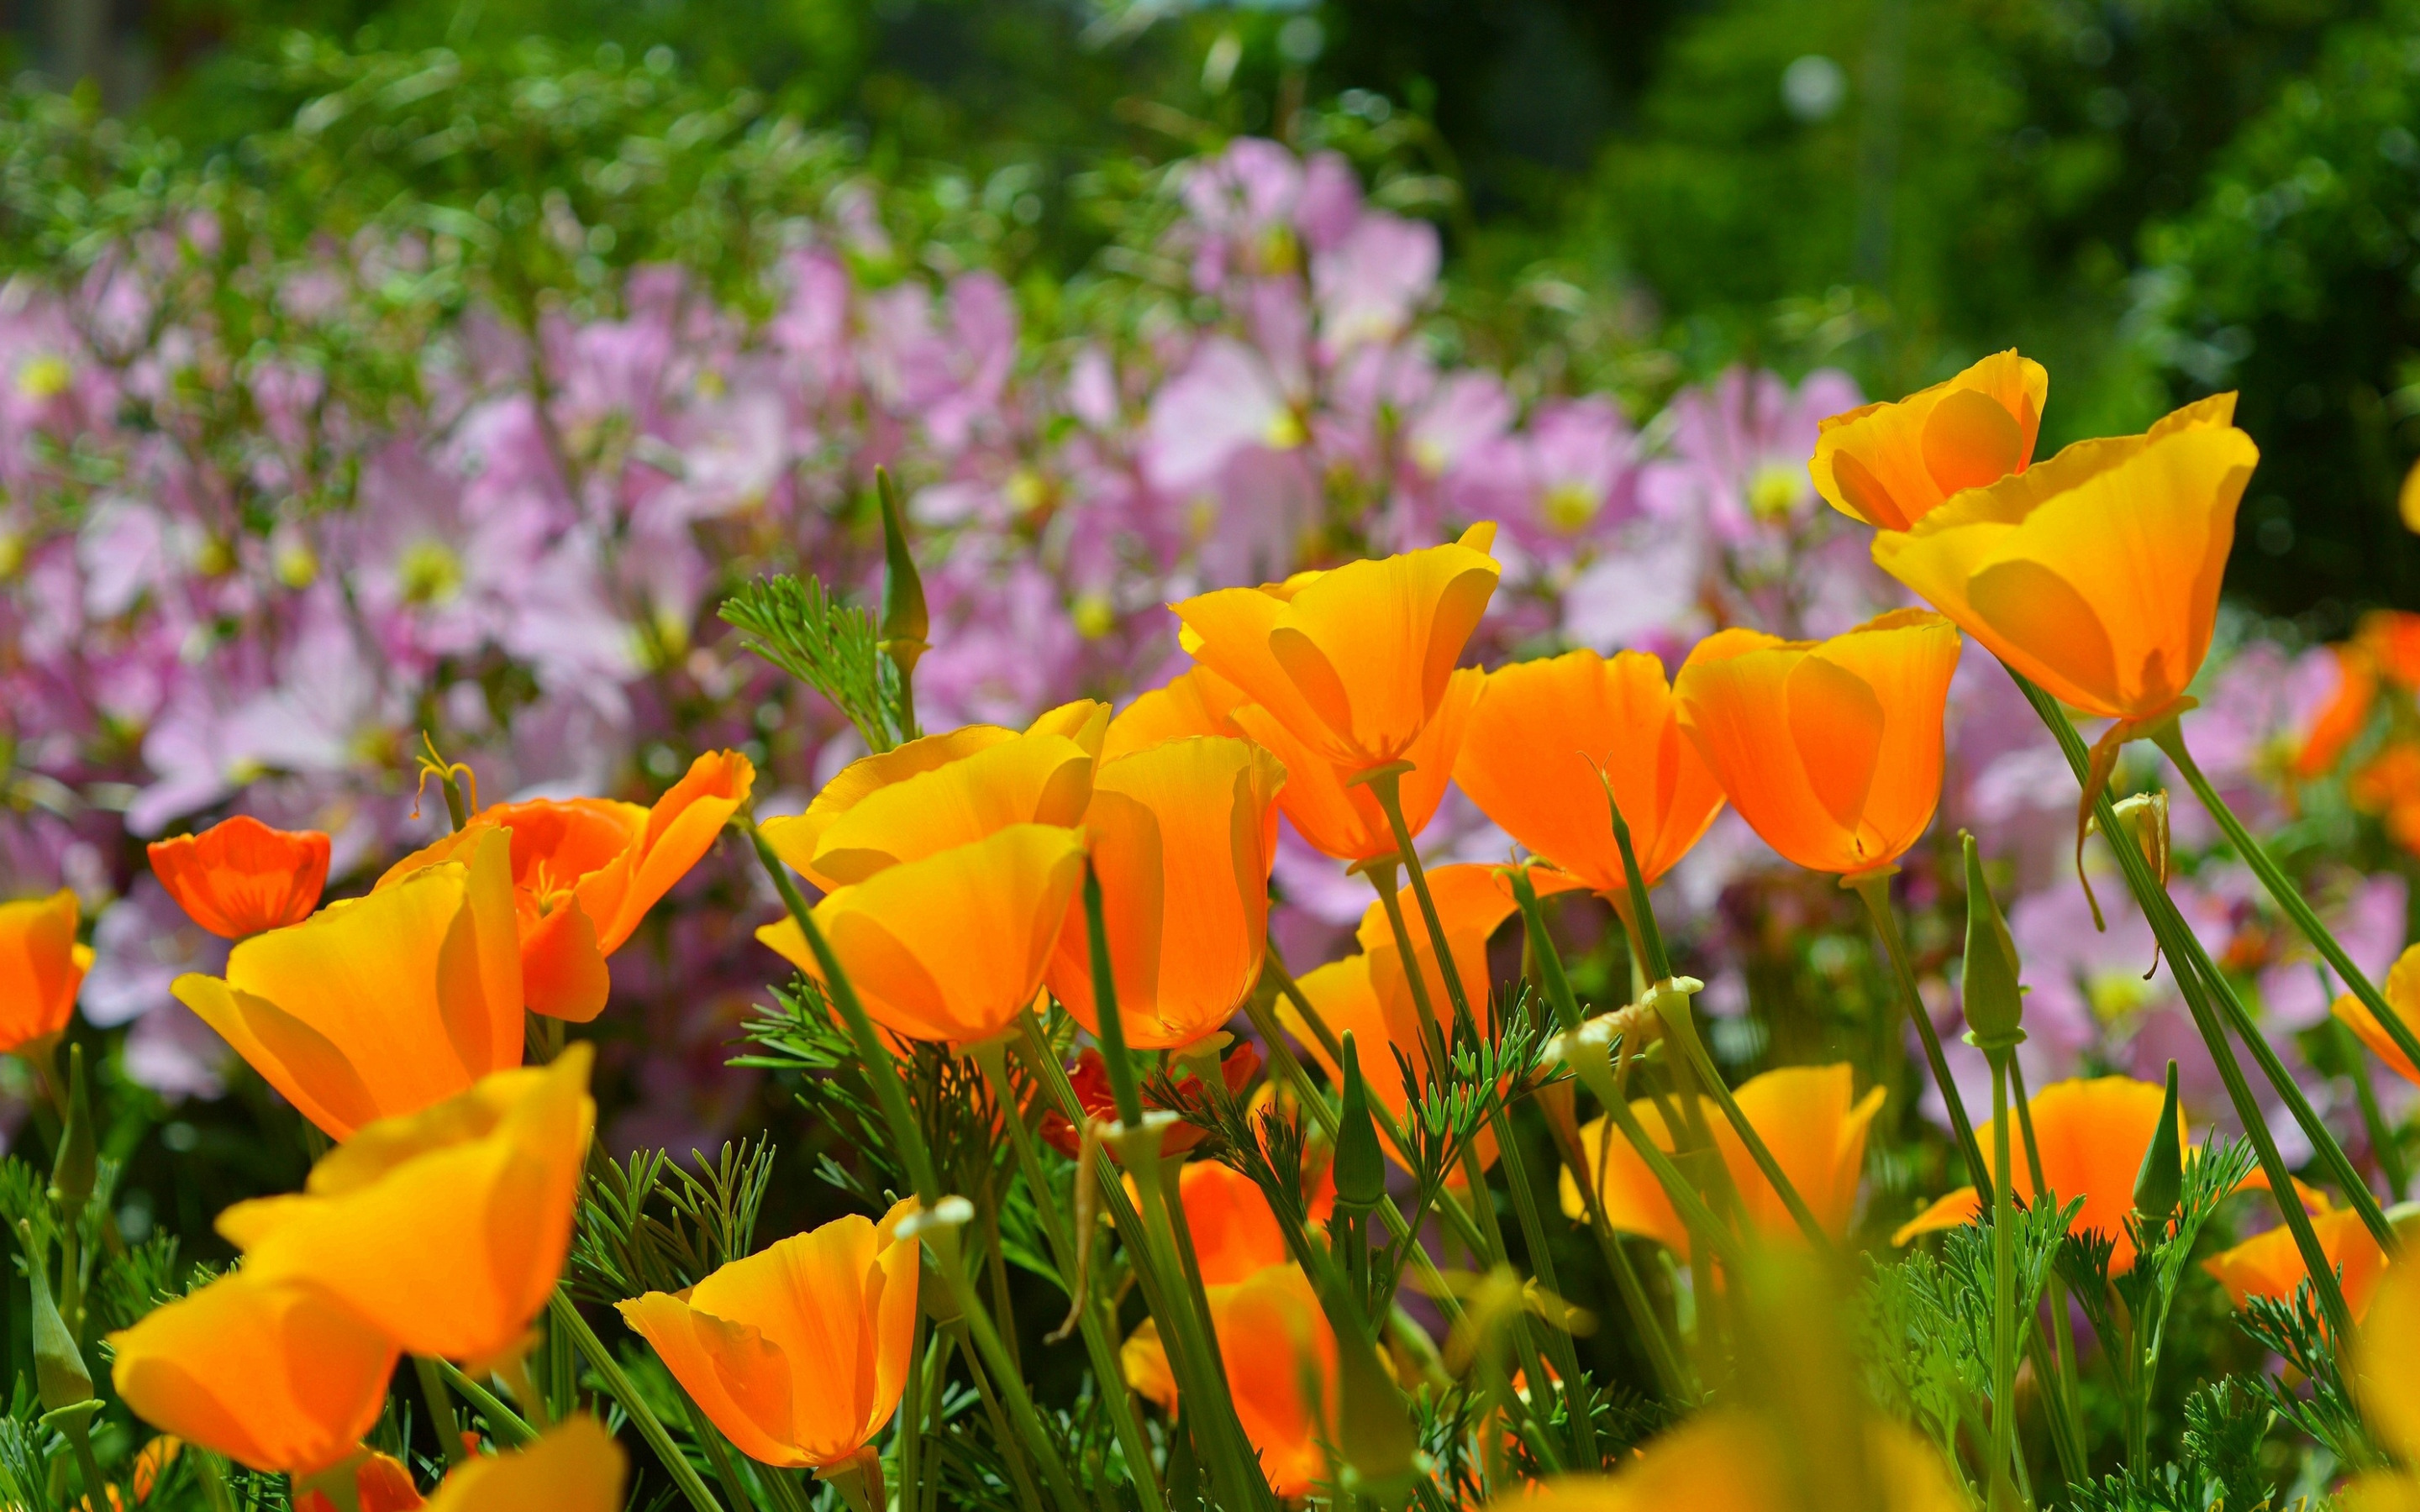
{"x": 2194, "y": 975}
{"x": 625, "y": 1394}
{"x": 441, "y": 1411}
{"x": 2004, "y": 1291}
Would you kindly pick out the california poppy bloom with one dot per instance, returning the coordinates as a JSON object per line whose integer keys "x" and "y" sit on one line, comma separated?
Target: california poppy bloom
{"x": 41, "y": 967}
{"x": 2390, "y": 638}
{"x": 2095, "y": 574}
{"x": 1831, "y": 751}
{"x": 1343, "y": 819}
{"x": 1810, "y": 1116}
{"x": 2269, "y": 1264}
{"x": 586, "y": 871}
{"x": 1353, "y": 661}
{"x": 380, "y": 1006}
{"x": 1890, "y": 465}
{"x": 1543, "y": 733}
{"x": 943, "y": 791}
{"x": 574, "y": 1467}
{"x": 1182, "y": 835}
{"x": 952, "y": 945}
{"x": 1196, "y": 701}
{"x": 2402, "y": 990}
{"x": 1235, "y": 1232}
{"x": 2092, "y": 1136}
{"x": 2340, "y": 720}
{"x": 1273, "y": 1340}
{"x": 446, "y": 1229}
{"x": 797, "y": 1352}
{"x": 272, "y": 1374}
{"x": 240, "y": 876}
{"x": 2385, "y": 1375}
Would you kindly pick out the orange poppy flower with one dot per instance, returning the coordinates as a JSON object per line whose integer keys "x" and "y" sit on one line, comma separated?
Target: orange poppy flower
{"x": 950, "y": 946}
{"x": 2391, "y": 639}
{"x": 2269, "y": 1264}
{"x": 2092, "y": 1135}
{"x": 485, "y": 1184}
{"x": 1197, "y": 701}
{"x": 1809, "y": 1118}
{"x": 41, "y": 967}
{"x": 2402, "y": 990}
{"x": 381, "y": 1483}
{"x": 1542, "y": 733}
{"x": 1890, "y": 465}
{"x": 1344, "y": 821}
{"x": 797, "y": 1352}
{"x": 1273, "y": 1339}
{"x": 272, "y": 1374}
{"x": 240, "y": 877}
{"x": 1182, "y": 835}
{"x": 1235, "y": 1234}
{"x": 1831, "y": 751}
{"x": 153, "y": 1461}
{"x": 2095, "y": 574}
{"x": 586, "y": 871}
{"x": 943, "y": 791}
{"x": 380, "y": 1006}
{"x": 1727, "y": 1460}
{"x": 1353, "y": 661}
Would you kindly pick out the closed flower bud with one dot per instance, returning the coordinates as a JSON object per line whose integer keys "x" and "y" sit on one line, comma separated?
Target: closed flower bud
{"x": 1361, "y": 1168}
{"x": 1993, "y": 1002}
{"x": 2160, "y": 1180}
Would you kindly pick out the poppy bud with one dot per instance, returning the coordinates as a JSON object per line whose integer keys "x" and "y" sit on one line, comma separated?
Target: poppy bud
{"x": 1994, "y": 1003}
{"x": 59, "y": 1371}
{"x": 1361, "y": 1168}
{"x": 904, "y": 622}
{"x": 2160, "y": 1180}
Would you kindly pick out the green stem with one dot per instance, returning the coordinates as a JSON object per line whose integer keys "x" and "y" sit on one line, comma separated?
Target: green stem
{"x": 2170, "y": 739}
{"x": 2382, "y": 1142}
{"x": 991, "y": 1057}
{"x": 441, "y": 1411}
{"x": 504, "y": 1423}
{"x": 2004, "y": 1291}
{"x": 1680, "y": 1025}
{"x": 618, "y": 1386}
{"x": 2193, "y": 975}
{"x": 2056, "y": 1357}
{"x": 1542, "y": 1262}
{"x": 1873, "y": 889}
{"x": 2323, "y": 1140}
{"x": 1011, "y": 1445}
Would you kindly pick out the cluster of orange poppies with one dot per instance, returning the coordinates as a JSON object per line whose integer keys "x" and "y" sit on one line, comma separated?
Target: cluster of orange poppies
{"x": 952, "y": 868}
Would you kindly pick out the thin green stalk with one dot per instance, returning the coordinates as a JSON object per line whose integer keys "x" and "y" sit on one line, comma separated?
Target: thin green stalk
{"x": 1873, "y": 889}
{"x": 1013, "y": 1447}
{"x": 619, "y": 1387}
{"x": 909, "y": 1140}
{"x": 2382, "y": 1141}
{"x": 911, "y": 1414}
{"x": 716, "y": 1454}
{"x": 2058, "y": 1336}
{"x": 2170, "y": 739}
{"x": 441, "y": 1411}
{"x": 502, "y": 1422}
{"x": 1566, "y": 1359}
{"x": 2194, "y": 973}
{"x": 2004, "y": 1291}
{"x": 991, "y": 1056}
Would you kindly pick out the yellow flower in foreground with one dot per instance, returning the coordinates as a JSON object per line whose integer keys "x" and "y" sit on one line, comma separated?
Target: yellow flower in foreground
{"x": 2095, "y": 574}
{"x": 2269, "y": 1264}
{"x": 445, "y": 1230}
{"x": 42, "y": 967}
{"x": 1197, "y": 701}
{"x": 380, "y": 1006}
{"x": 576, "y": 1467}
{"x": 1342, "y": 818}
{"x": 1809, "y": 1118}
{"x": 1353, "y": 660}
{"x": 1730, "y": 1462}
{"x": 952, "y": 945}
{"x": 2384, "y": 1373}
{"x": 944, "y": 791}
{"x": 1892, "y": 464}
{"x": 274, "y": 1375}
{"x": 2402, "y": 990}
{"x": 798, "y": 1352}
{"x": 1183, "y": 835}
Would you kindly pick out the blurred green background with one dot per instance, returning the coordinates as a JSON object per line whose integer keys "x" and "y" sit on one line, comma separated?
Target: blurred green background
{"x": 2156, "y": 197}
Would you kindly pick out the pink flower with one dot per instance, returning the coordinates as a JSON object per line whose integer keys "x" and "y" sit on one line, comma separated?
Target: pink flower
{"x": 1370, "y": 284}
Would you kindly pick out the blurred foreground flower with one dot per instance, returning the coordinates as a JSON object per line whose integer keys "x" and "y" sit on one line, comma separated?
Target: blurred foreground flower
{"x": 1280, "y": 1360}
